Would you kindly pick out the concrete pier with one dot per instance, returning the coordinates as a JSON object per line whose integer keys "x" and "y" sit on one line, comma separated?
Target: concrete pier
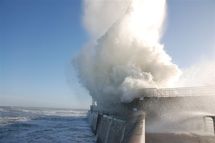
{"x": 109, "y": 129}
{"x": 115, "y": 122}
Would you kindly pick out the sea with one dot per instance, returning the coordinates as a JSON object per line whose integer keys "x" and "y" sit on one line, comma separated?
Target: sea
{"x": 44, "y": 125}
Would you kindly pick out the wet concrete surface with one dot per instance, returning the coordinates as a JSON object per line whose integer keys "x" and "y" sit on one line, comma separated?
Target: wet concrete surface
{"x": 177, "y": 138}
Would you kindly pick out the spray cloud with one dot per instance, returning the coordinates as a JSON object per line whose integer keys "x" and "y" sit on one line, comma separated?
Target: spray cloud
{"x": 125, "y": 54}
{"x": 199, "y": 74}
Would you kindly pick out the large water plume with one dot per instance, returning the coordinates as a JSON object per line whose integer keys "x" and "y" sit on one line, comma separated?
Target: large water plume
{"x": 124, "y": 55}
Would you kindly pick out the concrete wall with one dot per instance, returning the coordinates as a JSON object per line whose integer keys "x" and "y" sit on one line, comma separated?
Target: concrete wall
{"x": 112, "y": 130}
{"x": 213, "y": 117}
{"x": 94, "y": 119}
{"x": 109, "y": 129}
{"x": 103, "y": 129}
{"x": 117, "y": 131}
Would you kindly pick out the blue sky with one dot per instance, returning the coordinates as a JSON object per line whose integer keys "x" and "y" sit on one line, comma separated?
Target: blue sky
{"x": 190, "y": 31}
{"x": 39, "y": 37}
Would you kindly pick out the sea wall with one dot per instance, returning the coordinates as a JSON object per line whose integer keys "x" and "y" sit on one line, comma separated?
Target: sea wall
{"x": 109, "y": 129}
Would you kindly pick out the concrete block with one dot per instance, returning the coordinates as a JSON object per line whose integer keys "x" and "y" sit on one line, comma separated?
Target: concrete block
{"x": 103, "y": 129}
{"x": 94, "y": 121}
{"x": 116, "y": 132}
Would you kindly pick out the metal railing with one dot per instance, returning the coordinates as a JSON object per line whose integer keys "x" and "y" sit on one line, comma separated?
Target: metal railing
{"x": 182, "y": 91}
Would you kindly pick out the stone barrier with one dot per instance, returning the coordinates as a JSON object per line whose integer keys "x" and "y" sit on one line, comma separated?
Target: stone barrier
{"x": 109, "y": 129}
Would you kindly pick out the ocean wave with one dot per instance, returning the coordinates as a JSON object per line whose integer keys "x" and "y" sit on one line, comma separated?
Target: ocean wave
{"x": 2, "y": 110}
{"x": 10, "y": 120}
{"x": 44, "y": 125}
{"x": 52, "y": 112}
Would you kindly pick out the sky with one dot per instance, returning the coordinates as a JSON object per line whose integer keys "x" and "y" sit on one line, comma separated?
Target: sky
{"x": 38, "y": 39}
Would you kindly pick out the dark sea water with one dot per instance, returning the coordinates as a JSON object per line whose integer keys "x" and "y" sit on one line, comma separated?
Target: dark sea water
{"x": 41, "y": 125}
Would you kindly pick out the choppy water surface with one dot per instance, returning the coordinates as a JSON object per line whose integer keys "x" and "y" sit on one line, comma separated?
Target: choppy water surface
{"x": 39, "y": 125}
